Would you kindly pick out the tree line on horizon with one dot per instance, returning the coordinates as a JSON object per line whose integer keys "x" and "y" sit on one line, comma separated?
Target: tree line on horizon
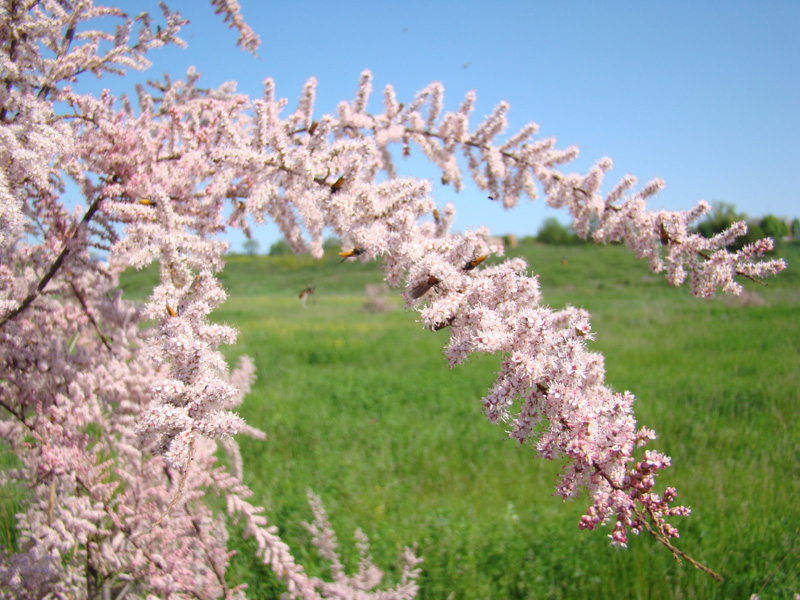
{"x": 553, "y": 232}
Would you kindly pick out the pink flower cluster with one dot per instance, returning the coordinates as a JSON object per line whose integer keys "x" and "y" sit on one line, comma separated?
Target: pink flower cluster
{"x": 116, "y": 426}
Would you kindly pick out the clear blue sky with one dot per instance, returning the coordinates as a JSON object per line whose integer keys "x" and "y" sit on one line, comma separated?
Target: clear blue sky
{"x": 705, "y": 95}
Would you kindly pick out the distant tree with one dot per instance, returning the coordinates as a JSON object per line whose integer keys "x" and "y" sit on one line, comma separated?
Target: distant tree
{"x": 721, "y": 216}
{"x": 754, "y": 233}
{"x": 553, "y": 232}
{"x": 774, "y": 227}
{"x": 251, "y": 246}
{"x": 332, "y": 243}
{"x": 280, "y": 248}
{"x": 796, "y": 229}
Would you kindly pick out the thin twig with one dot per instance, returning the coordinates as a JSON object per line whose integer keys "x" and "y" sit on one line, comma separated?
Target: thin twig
{"x": 676, "y": 552}
{"x": 20, "y": 416}
{"x": 54, "y": 267}
{"x": 660, "y": 535}
{"x": 512, "y": 156}
{"x": 51, "y": 501}
{"x": 177, "y": 493}
{"x": 129, "y": 535}
{"x": 778, "y": 566}
{"x": 738, "y": 272}
{"x": 79, "y": 296}
{"x": 124, "y": 591}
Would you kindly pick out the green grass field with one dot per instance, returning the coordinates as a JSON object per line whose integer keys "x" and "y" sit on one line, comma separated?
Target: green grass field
{"x": 361, "y": 408}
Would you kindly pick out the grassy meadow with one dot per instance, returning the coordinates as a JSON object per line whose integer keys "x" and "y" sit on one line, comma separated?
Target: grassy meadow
{"x": 361, "y": 408}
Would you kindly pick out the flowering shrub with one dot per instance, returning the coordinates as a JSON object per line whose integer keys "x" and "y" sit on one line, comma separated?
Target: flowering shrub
{"x": 115, "y": 426}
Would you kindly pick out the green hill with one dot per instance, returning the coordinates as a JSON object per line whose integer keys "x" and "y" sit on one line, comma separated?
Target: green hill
{"x": 361, "y": 408}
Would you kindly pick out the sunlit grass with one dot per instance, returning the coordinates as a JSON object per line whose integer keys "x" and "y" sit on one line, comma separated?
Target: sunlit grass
{"x": 362, "y": 409}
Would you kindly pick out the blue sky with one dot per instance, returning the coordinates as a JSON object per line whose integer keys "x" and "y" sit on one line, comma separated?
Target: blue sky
{"x": 705, "y": 95}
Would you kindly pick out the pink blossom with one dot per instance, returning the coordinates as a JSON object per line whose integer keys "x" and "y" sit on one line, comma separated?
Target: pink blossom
{"x": 116, "y": 425}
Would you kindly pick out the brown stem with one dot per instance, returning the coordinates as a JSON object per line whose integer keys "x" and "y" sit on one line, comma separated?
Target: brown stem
{"x": 20, "y": 416}
{"x": 79, "y": 296}
{"x": 778, "y": 566}
{"x": 518, "y": 160}
{"x": 51, "y": 501}
{"x": 53, "y": 268}
{"x": 65, "y": 44}
{"x": 705, "y": 255}
{"x": 177, "y": 493}
{"x": 676, "y": 553}
{"x": 218, "y": 571}
{"x": 129, "y": 534}
{"x": 658, "y": 534}
{"x": 11, "y": 18}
